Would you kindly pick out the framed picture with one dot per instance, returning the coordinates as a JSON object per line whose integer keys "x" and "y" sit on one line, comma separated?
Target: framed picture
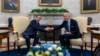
{"x": 12, "y": 6}
{"x": 50, "y": 2}
{"x": 99, "y": 5}
{"x": 89, "y": 6}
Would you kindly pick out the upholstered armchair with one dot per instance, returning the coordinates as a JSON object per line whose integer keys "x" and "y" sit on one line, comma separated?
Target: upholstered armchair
{"x": 20, "y": 23}
{"x": 82, "y": 23}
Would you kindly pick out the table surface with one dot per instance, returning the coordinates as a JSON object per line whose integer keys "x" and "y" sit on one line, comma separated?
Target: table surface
{"x": 96, "y": 32}
{"x": 4, "y": 31}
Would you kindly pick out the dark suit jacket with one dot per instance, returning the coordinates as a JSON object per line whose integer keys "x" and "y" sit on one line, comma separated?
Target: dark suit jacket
{"x": 32, "y": 28}
{"x": 74, "y": 29}
{"x": 8, "y": 7}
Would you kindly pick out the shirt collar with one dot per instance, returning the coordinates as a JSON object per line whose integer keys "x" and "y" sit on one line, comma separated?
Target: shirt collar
{"x": 69, "y": 21}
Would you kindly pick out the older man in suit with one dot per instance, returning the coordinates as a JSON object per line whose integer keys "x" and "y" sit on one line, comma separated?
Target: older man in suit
{"x": 31, "y": 31}
{"x": 72, "y": 30}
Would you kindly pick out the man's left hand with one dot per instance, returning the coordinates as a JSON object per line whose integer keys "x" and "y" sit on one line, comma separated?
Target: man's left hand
{"x": 67, "y": 32}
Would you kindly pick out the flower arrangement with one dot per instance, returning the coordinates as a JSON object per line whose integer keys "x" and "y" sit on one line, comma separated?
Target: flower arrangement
{"x": 47, "y": 49}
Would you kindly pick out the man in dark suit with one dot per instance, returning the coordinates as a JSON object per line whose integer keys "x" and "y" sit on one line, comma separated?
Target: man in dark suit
{"x": 9, "y": 5}
{"x": 72, "y": 30}
{"x": 31, "y": 31}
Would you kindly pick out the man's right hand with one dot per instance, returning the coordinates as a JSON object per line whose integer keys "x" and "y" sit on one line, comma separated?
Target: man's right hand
{"x": 47, "y": 29}
{"x": 51, "y": 28}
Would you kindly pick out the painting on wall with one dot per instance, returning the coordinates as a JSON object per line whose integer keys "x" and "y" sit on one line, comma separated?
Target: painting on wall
{"x": 50, "y": 2}
{"x": 12, "y": 6}
{"x": 89, "y": 6}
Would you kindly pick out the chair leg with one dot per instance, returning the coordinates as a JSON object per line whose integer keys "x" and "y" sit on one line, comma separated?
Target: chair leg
{"x": 18, "y": 50}
{"x": 81, "y": 50}
{"x": 14, "y": 45}
{"x": 85, "y": 46}
{"x": 70, "y": 46}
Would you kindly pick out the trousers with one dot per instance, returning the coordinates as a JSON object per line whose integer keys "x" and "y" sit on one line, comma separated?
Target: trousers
{"x": 27, "y": 38}
{"x": 65, "y": 40}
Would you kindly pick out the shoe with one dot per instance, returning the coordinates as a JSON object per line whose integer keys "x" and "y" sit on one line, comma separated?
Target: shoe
{"x": 39, "y": 43}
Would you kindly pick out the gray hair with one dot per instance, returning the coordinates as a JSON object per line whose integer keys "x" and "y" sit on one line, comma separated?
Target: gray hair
{"x": 67, "y": 14}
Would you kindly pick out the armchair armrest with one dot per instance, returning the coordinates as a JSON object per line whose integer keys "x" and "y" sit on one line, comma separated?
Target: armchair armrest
{"x": 15, "y": 34}
{"x": 84, "y": 35}
{"x": 85, "y": 32}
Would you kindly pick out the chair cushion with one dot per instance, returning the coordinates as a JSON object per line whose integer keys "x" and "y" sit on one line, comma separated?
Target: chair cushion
{"x": 22, "y": 41}
{"x": 78, "y": 41}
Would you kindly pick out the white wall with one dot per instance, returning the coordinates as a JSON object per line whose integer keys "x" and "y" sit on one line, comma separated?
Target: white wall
{"x": 27, "y": 5}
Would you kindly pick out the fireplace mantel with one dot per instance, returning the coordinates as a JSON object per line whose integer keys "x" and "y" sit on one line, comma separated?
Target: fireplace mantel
{"x": 46, "y": 14}
{"x": 56, "y": 18}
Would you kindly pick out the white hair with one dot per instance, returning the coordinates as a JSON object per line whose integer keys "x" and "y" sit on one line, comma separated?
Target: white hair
{"x": 67, "y": 14}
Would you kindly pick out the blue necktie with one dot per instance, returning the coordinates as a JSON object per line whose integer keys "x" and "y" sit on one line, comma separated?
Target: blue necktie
{"x": 67, "y": 27}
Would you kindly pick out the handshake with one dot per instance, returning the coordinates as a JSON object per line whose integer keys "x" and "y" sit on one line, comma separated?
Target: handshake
{"x": 49, "y": 28}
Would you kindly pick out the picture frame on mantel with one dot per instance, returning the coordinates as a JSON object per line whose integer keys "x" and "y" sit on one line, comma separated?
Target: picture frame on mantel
{"x": 11, "y": 6}
{"x": 89, "y": 6}
{"x": 50, "y": 2}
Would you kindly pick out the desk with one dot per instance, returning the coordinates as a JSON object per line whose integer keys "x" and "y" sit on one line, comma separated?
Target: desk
{"x": 4, "y": 34}
{"x": 96, "y": 35}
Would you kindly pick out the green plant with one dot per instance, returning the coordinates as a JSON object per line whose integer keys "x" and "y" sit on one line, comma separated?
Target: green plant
{"x": 36, "y": 10}
{"x": 63, "y": 10}
{"x": 54, "y": 10}
{"x": 46, "y": 10}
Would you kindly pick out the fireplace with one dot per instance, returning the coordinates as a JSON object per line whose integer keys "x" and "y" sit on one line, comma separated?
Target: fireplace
{"x": 49, "y": 36}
